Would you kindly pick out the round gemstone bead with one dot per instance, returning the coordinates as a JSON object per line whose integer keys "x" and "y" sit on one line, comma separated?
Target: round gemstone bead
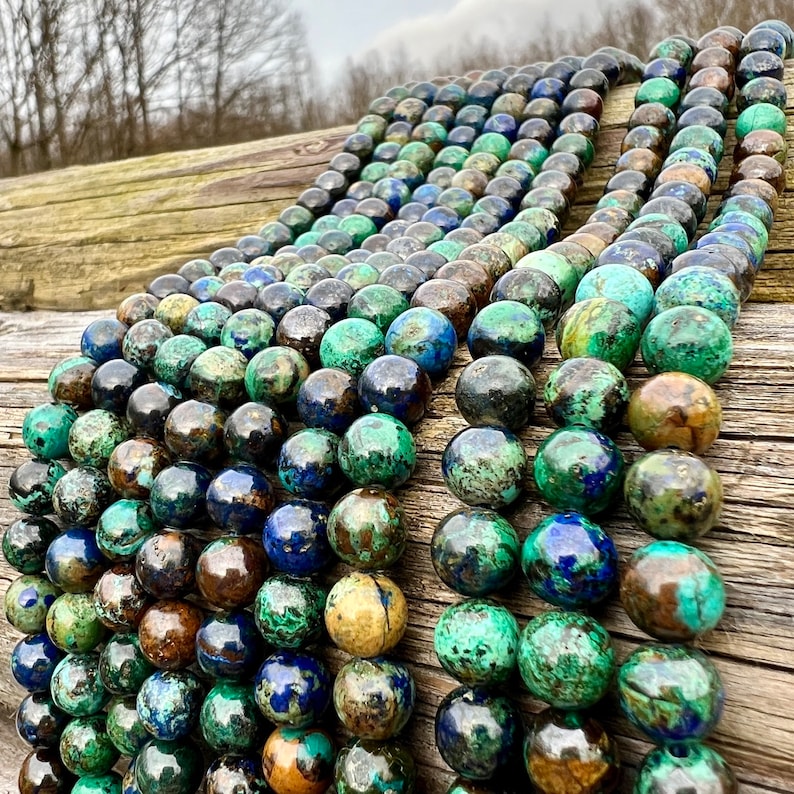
{"x": 26, "y": 541}
{"x": 275, "y": 375}
{"x": 70, "y": 381}
{"x": 672, "y": 693}
{"x": 122, "y": 665}
{"x": 27, "y": 601}
{"x": 76, "y": 686}
{"x": 168, "y": 768}
{"x": 235, "y": 773}
{"x": 133, "y": 465}
{"x": 397, "y": 386}
{"x": 45, "y": 430}
{"x": 167, "y": 634}
{"x": 351, "y": 344}
{"x": 476, "y": 641}
{"x": 165, "y": 564}
{"x": 178, "y": 495}
{"x": 168, "y": 703}
{"x": 507, "y": 328}
{"x": 426, "y": 336}
{"x": 328, "y": 399}
{"x": 73, "y": 624}
{"x": 295, "y": 537}
{"x": 307, "y": 463}
{"x": 42, "y": 770}
{"x": 693, "y": 767}
{"x": 239, "y": 499}
{"x": 570, "y": 561}
{"x": 289, "y": 611}
{"x": 119, "y": 599}
{"x": 31, "y": 486}
{"x": 228, "y": 645}
{"x": 704, "y": 287}
{"x": 39, "y": 721}
{"x": 33, "y": 660}
{"x": 566, "y": 659}
{"x": 622, "y": 283}
{"x": 229, "y": 718}
{"x": 85, "y": 746}
{"x": 365, "y": 767}
{"x": 366, "y": 614}
{"x": 124, "y": 726}
{"x": 298, "y": 760}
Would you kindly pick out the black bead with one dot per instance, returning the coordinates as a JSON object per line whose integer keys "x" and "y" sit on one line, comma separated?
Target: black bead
{"x": 148, "y": 407}
{"x": 113, "y": 383}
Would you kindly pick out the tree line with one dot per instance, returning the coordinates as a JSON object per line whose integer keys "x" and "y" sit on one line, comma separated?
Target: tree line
{"x": 94, "y": 80}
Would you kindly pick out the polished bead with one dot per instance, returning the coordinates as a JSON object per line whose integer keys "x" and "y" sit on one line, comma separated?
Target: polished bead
{"x": 234, "y": 773}
{"x": 298, "y": 760}
{"x": 73, "y": 624}
{"x": 239, "y": 499}
{"x": 507, "y": 328}
{"x": 194, "y": 430}
{"x": 365, "y": 767}
{"x": 307, "y": 463}
{"x": 27, "y": 601}
{"x": 85, "y": 746}
{"x": 168, "y": 768}
{"x": 533, "y": 288}
{"x": 134, "y": 464}
{"x": 80, "y": 496}
{"x": 289, "y": 611}
{"x": 167, "y": 634}
{"x": 113, "y": 383}
{"x": 124, "y": 726}
{"x": 175, "y": 357}
{"x": 397, "y": 386}
{"x": 69, "y": 381}
{"x": 123, "y": 527}
{"x": 451, "y": 298}
{"x": 26, "y": 541}
{"x": 45, "y": 430}
{"x": 165, "y": 564}
{"x": 295, "y": 537}
{"x": 43, "y": 772}
{"x": 119, "y": 600}
{"x": 122, "y": 665}
{"x": 230, "y": 720}
{"x": 168, "y": 703}
{"x": 39, "y": 722}
{"x": 31, "y": 485}
{"x": 178, "y": 495}
{"x": 275, "y": 375}
{"x": 76, "y": 686}
{"x": 138, "y": 306}
{"x": 688, "y": 768}
{"x": 366, "y": 614}
{"x": 33, "y": 660}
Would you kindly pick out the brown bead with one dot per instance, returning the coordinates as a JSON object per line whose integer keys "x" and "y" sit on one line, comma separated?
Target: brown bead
{"x": 43, "y": 772}
{"x": 165, "y": 564}
{"x": 616, "y": 217}
{"x": 296, "y": 761}
{"x": 472, "y": 180}
{"x": 119, "y": 599}
{"x": 72, "y": 384}
{"x": 566, "y": 752}
{"x": 652, "y": 114}
{"x": 674, "y": 409}
{"x": 642, "y": 160}
{"x": 766, "y": 142}
{"x": 687, "y": 172}
{"x": 577, "y": 254}
{"x": 603, "y": 231}
{"x": 451, "y": 298}
{"x": 137, "y": 307}
{"x": 763, "y": 167}
{"x": 595, "y": 245}
{"x": 724, "y": 37}
{"x": 548, "y": 199}
{"x": 713, "y": 56}
{"x": 557, "y": 180}
{"x": 714, "y": 77}
{"x": 134, "y": 464}
{"x": 230, "y": 571}
{"x": 167, "y": 634}
{"x": 645, "y": 137}
{"x": 583, "y": 100}
{"x": 472, "y": 275}
{"x": 754, "y": 187}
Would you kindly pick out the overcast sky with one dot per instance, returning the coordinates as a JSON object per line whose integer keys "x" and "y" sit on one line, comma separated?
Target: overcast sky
{"x": 338, "y": 28}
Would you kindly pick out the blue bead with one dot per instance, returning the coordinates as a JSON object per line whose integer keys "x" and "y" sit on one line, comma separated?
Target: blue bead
{"x": 502, "y": 123}
{"x": 307, "y": 465}
{"x": 33, "y": 660}
{"x": 102, "y": 340}
{"x": 426, "y": 336}
{"x": 260, "y": 276}
{"x": 168, "y": 703}
{"x": 73, "y": 561}
{"x": 239, "y": 499}
{"x": 445, "y": 218}
{"x": 203, "y": 289}
{"x": 228, "y": 645}
{"x": 462, "y": 135}
{"x": 549, "y": 88}
{"x": 328, "y": 399}
{"x": 295, "y": 537}
{"x": 393, "y": 191}
{"x": 426, "y": 194}
{"x": 500, "y": 208}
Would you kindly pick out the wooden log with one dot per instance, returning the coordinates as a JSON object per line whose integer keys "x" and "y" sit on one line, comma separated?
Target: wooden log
{"x": 109, "y": 229}
{"x": 753, "y": 545}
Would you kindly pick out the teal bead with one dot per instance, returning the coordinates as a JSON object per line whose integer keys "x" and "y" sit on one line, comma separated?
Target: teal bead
{"x": 672, "y": 693}
{"x": 700, "y": 136}
{"x": 566, "y": 659}
{"x": 658, "y": 89}
{"x": 174, "y": 358}
{"x": 378, "y": 303}
{"x": 562, "y": 272}
{"x": 124, "y": 726}
{"x": 76, "y": 686}
{"x": 687, "y": 339}
{"x": 27, "y": 601}
{"x": 476, "y": 642}
{"x": 578, "y": 469}
{"x": 216, "y": 376}
{"x": 418, "y": 153}
{"x": 31, "y": 486}
{"x": 377, "y": 449}
{"x": 123, "y": 527}
{"x": 694, "y": 156}
{"x": 109, "y": 783}
{"x": 94, "y": 435}
{"x": 700, "y": 286}
{"x": 364, "y": 767}
{"x": 168, "y": 768}
{"x": 73, "y": 624}
{"x": 230, "y": 719}
{"x": 449, "y": 249}
{"x": 359, "y": 227}
{"x": 351, "y": 344}
{"x": 621, "y": 283}
{"x": 507, "y": 328}
{"x": 484, "y": 466}
{"x": 45, "y": 430}
{"x": 493, "y": 143}
{"x": 763, "y": 116}
{"x": 289, "y": 611}
{"x": 122, "y": 665}
{"x": 667, "y": 226}
{"x": 575, "y": 143}
{"x": 249, "y": 331}
{"x": 206, "y": 321}
{"x": 85, "y": 747}
{"x": 672, "y": 591}
{"x": 695, "y": 768}
{"x": 275, "y": 375}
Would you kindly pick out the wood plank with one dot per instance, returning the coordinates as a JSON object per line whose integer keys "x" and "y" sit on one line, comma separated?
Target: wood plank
{"x": 753, "y": 545}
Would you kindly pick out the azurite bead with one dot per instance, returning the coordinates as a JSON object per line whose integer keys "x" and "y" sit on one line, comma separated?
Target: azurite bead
{"x": 122, "y": 665}
{"x": 135, "y": 463}
{"x": 72, "y": 623}
{"x": 216, "y": 376}
{"x": 570, "y": 561}
{"x": 194, "y": 431}
{"x": 397, "y": 386}
{"x": 689, "y": 768}
{"x": 45, "y": 430}
{"x": 228, "y": 645}
{"x": 167, "y": 634}
{"x": 477, "y": 732}
{"x": 119, "y": 599}
{"x": 168, "y": 768}
{"x": 366, "y": 614}
{"x": 33, "y": 660}
{"x": 235, "y": 773}
{"x": 113, "y": 383}
{"x": 165, "y": 564}
{"x": 39, "y": 721}
{"x": 701, "y": 286}
{"x": 43, "y": 771}
{"x": 426, "y": 336}
{"x": 307, "y": 464}
{"x": 76, "y": 686}
{"x": 476, "y": 641}
{"x": 123, "y": 527}
{"x": 178, "y": 495}
{"x": 239, "y": 499}
{"x": 364, "y": 767}
{"x": 85, "y": 746}
{"x": 31, "y": 486}
{"x": 351, "y": 344}
{"x": 175, "y": 357}
{"x": 507, "y": 328}
{"x": 101, "y": 340}
{"x": 328, "y": 399}
{"x": 73, "y": 561}
{"x": 124, "y": 726}
{"x": 298, "y": 760}
{"x": 374, "y": 698}
{"x": 109, "y": 783}
{"x": 254, "y": 433}
{"x": 377, "y": 449}
{"x": 229, "y": 720}
{"x": 295, "y": 537}
{"x": 484, "y": 466}
{"x": 94, "y": 435}
{"x": 80, "y": 496}
{"x": 168, "y": 703}
{"x": 366, "y": 529}
{"x": 27, "y": 601}
{"x": 230, "y": 570}
{"x": 566, "y": 751}
{"x": 672, "y": 591}
{"x": 579, "y": 469}
{"x": 475, "y": 551}
{"x": 292, "y": 689}
{"x": 26, "y": 541}
{"x": 378, "y": 303}
{"x": 672, "y": 693}
{"x": 289, "y": 611}
{"x": 566, "y": 659}
{"x": 621, "y": 283}
{"x": 275, "y": 375}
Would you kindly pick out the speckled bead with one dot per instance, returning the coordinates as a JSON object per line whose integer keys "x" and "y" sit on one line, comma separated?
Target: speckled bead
{"x": 622, "y": 283}
{"x": 31, "y": 486}
{"x": 364, "y": 767}
{"x": 119, "y": 599}
{"x": 377, "y": 449}
{"x": 673, "y": 495}
{"x": 292, "y": 689}
{"x": 298, "y": 760}
{"x": 123, "y": 527}
{"x": 234, "y": 773}
{"x": 308, "y": 464}
{"x": 73, "y": 624}
{"x": 94, "y": 435}
{"x": 168, "y": 768}
{"x": 229, "y": 719}
{"x": 109, "y": 783}
{"x": 27, "y": 601}
{"x": 477, "y": 732}
{"x": 275, "y": 375}
{"x": 374, "y": 698}
{"x": 135, "y": 463}
{"x": 672, "y": 591}
{"x": 122, "y": 665}
{"x": 168, "y": 703}
{"x": 33, "y": 660}
{"x": 484, "y": 466}
{"x": 43, "y": 771}
{"x": 476, "y": 642}
{"x": 239, "y": 499}
{"x": 674, "y": 409}
{"x": 397, "y": 386}
{"x": 85, "y": 746}
{"x": 76, "y": 687}
{"x": 565, "y": 751}
{"x": 672, "y": 693}
{"x": 351, "y": 344}
{"x": 167, "y": 634}
{"x": 691, "y": 768}
{"x": 507, "y": 328}
{"x": 366, "y": 614}
{"x": 230, "y": 570}
{"x": 26, "y": 541}
{"x": 80, "y": 496}
{"x": 165, "y": 564}
{"x": 579, "y": 469}
{"x": 426, "y": 336}
{"x": 570, "y": 561}
{"x": 289, "y": 611}
{"x": 39, "y": 722}
{"x": 124, "y": 726}
{"x": 45, "y": 430}
{"x": 566, "y": 659}
{"x": 700, "y": 286}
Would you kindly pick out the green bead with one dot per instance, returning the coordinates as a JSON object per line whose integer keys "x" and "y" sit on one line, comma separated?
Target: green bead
{"x": 494, "y": 143}
{"x": 664, "y": 223}
{"x": 694, "y": 767}
{"x": 351, "y": 344}
{"x": 366, "y": 767}
{"x": 566, "y": 659}
{"x": 168, "y": 768}
{"x": 94, "y": 435}
{"x": 623, "y": 199}
{"x": 476, "y": 642}
{"x": 26, "y": 541}
{"x": 577, "y": 144}
{"x": 378, "y": 303}
{"x": 45, "y": 430}
{"x": 232, "y": 272}
{"x": 325, "y": 223}
{"x": 565, "y": 275}
{"x": 658, "y": 89}
{"x": 124, "y": 726}
{"x": 762, "y": 116}
{"x": 206, "y": 321}
{"x": 359, "y": 227}
{"x": 123, "y": 527}
{"x": 452, "y": 157}
{"x": 527, "y": 233}
{"x": 377, "y": 449}
{"x": 599, "y": 328}
{"x": 32, "y": 484}
{"x": 249, "y": 331}
{"x": 420, "y": 154}
{"x": 672, "y": 693}
{"x": 509, "y": 243}
{"x": 372, "y": 125}
{"x": 359, "y": 275}
{"x": 687, "y": 339}
{"x": 76, "y": 686}
{"x": 700, "y": 286}
{"x": 230, "y": 718}
{"x": 73, "y": 624}
{"x": 27, "y": 601}
{"x": 109, "y": 783}
{"x": 577, "y": 468}
{"x": 122, "y": 665}
{"x": 311, "y": 238}
{"x": 85, "y": 747}
{"x": 216, "y": 376}
{"x": 619, "y": 283}
{"x": 449, "y": 249}
{"x": 432, "y": 133}
{"x": 289, "y": 611}
{"x": 275, "y": 375}
{"x": 174, "y": 358}
{"x": 675, "y": 48}
{"x": 700, "y": 137}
